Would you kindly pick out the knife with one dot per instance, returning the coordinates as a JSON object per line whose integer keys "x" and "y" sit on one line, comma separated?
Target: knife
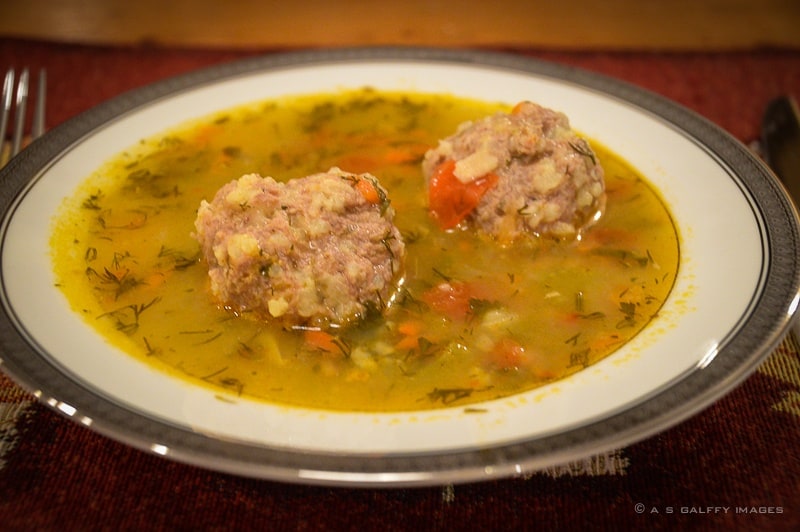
{"x": 780, "y": 147}
{"x": 780, "y": 142}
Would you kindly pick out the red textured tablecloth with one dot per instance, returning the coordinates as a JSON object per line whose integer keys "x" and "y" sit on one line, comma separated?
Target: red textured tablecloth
{"x": 736, "y": 465}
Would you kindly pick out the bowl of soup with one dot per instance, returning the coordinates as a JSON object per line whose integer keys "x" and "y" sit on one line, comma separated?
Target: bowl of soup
{"x": 492, "y": 356}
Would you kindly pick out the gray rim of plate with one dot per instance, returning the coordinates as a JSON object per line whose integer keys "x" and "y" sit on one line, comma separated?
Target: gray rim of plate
{"x": 759, "y": 331}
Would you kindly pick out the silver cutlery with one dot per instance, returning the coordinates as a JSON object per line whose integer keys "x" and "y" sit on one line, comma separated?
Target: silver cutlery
{"x": 780, "y": 148}
{"x": 780, "y": 142}
{"x": 17, "y": 100}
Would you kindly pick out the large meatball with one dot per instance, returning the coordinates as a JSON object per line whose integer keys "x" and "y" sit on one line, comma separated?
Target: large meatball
{"x": 511, "y": 174}
{"x": 317, "y": 251}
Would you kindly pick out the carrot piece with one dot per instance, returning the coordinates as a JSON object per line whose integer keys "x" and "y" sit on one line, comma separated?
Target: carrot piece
{"x": 411, "y": 330}
{"x": 600, "y": 236}
{"x": 408, "y": 343}
{"x": 358, "y": 162}
{"x": 156, "y": 279}
{"x": 519, "y": 107}
{"x": 508, "y": 354}
{"x": 368, "y": 190}
{"x": 321, "y": 340}
{"x": 399, "y": 155}
{"x": 452, "y": 200}
{"x": 451, "y": 299}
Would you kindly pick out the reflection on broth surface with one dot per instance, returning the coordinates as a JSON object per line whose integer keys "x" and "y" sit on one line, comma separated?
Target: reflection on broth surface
{"x": 476, "y": 320}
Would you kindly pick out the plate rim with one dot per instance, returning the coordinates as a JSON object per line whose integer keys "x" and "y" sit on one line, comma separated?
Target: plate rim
{"x": 658, "y": 411}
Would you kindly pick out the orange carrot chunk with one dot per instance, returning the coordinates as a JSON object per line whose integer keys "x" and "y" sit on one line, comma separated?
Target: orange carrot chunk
{"x": 450, "y": 299}
{"x": 410, "y": 331}
{"x": 508, "y": 354}
{"x": 518, "y": 108}
{"x": 452, "y": 200}
{"x": 321, "y": 340}
{"x": 410, "y": 327}
{"x": 368, "y": 190}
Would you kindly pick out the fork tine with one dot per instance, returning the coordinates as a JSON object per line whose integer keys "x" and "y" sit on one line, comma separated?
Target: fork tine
{"x": 39, "y": 111}
{"x": 19, "y": 116}
{"x": 8, "y": 91}
{"x": 20, "y": 103}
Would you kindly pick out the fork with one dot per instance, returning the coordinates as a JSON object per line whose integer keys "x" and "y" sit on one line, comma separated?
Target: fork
{"x": 19, "y": 104}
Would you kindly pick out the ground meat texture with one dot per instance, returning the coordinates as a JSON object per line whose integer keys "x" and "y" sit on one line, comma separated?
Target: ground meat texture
{"x": 317, "y": 251}
{"x": 545, "y": 179}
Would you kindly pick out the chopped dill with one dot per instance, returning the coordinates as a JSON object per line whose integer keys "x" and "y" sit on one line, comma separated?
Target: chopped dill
{"x": 582, "y": 147}
{"x": 449, "y": 395}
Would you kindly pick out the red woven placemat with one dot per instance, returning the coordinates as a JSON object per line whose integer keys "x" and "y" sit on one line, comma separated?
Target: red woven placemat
{"x": 735, "y": 465}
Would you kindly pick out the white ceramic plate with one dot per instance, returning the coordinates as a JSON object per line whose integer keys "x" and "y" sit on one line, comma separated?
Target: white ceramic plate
{"x": 734, "y": 298}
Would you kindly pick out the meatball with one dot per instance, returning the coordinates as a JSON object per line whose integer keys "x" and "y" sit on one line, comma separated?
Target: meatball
{"x": 513, "y": 174}
{"x": 318, "y": 251}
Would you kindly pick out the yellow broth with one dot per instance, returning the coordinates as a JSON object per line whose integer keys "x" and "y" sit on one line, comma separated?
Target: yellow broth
{"x": 529, "y": 314}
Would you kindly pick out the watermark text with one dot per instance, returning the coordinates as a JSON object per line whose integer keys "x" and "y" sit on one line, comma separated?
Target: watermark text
{"x": 641, "y": 508}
